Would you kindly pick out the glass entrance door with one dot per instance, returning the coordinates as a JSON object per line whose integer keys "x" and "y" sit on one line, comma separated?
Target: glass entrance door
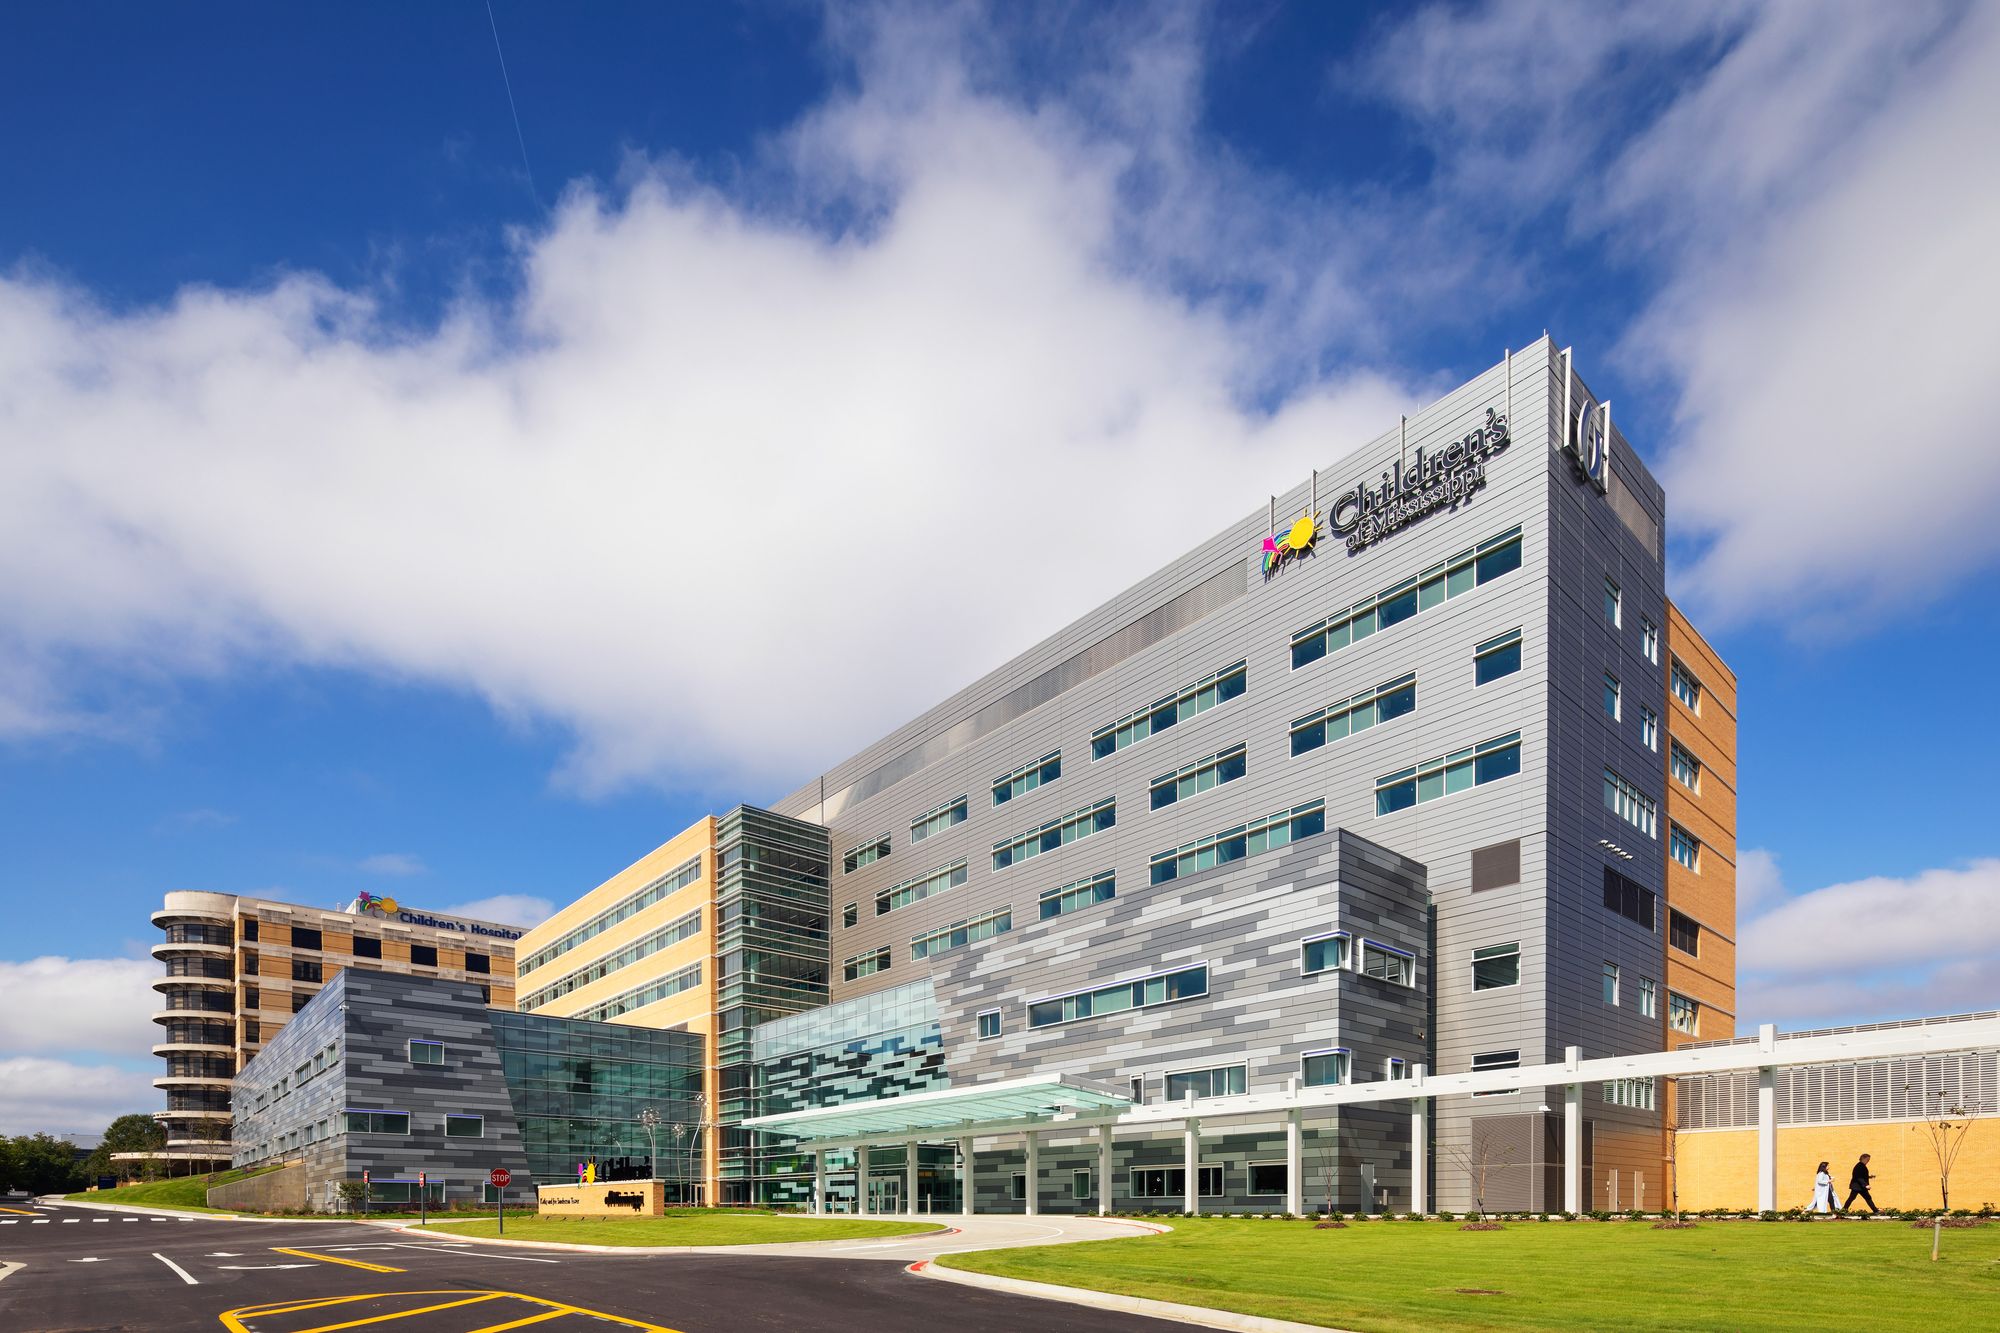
{"x": 885, "y": 1194}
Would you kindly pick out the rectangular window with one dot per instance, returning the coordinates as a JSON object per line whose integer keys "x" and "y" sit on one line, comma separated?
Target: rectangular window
{"x": 1160, "y": 988}
{"x": 1321, "y": 1069}
{"x": 935, "y": 821}
{"x": 426, "y": 1052}
{"x": 866, "y": 964}
{"x": 1685, "y": 847}
{"x": 1388, "y": 964}
{"x": 377, "y": 1122}
{"x": 1491, "y": 1060}
{"x": 1077, "y": 895}
{"x": 251, "y": 999}
{"x": 305, "y": 969}
{"x": 1630, "y": 804}
{"x": 1396, "y": 1071}
{"x": 1684, "y": 766}
{"x": 1686, "y": 688}
{"x": 1324, "y": 953}
{"x": 1649, "y": 998}
{"x": 683, "y": 927}
{"x": 850, "y": 915}
{"x": 1631, "y": 899}
{"x": 961, "y": 933}
{"x": 1268, "y": 1178}
{"x": 1470, "y": 568}
{"x": 424, "y": 955}
{"x": 365, "y": 947}
{"x": 686, "y": 979}
{"x": 1079, "y": 1184}
{"x": 1234, "y": 844}
{"x": 1649, "y": 640}
{"x": 989, "y": 1024}
{"x": 1496, "y": 657}
{"x": 1075, "y": 825}
{"x": 1612, "y": 703}
{"x": 929, "y": 885}
{"x": 1218, "y": 687}
{"x": 251, "y": 1031}
{"x": 300, "y": 999}
{"x": 688, "y": 872}
{"x": 1633, "y": 1092}
{"x": 1337, "y": 721}
{"x": 1170, "y": 1182}
{"x": 1202, "y": 775}
{"x": 1027, "y": 777}
{"x": 1613, "y": 603}
{"x": 1683, "y": 1014}
{"x": 304, "y": 938}
{"x": 249, "y": 931}
{"x": 1221, "y": 1081}
{"x": 478, "y": 962}
{"x": 1448, "y": 774}
{"x": 1496, "y": 967}
{"x": 1683, "y": 933}
{"x": 465, "y": 1126}
{"x": 1611, "y": 984}
{"x": 1649, "y": 729}
{"x": 867, "y": 854}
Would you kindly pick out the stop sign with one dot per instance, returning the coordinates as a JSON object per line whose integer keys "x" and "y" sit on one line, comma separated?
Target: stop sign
{"x": 500, "y": 1176}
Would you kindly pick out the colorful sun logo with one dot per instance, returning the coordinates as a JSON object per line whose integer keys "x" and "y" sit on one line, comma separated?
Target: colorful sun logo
{"x": 1296, "y": 541}
{"x": 371, "y": 902}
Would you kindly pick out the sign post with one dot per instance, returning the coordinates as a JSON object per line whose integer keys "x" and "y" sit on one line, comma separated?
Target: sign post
{"x": 423, "y": 1189}
{"x": 364, "y": 1192}
{"x": 500, "y": 1176}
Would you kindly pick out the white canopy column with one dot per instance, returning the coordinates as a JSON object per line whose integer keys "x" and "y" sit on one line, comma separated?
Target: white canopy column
{"x": 1033, "y": 1185}
{"x": 965, "y": 1187}
{"x": 1191, "y": 1159}
{"x": 1420, "y": 1146}
{"x": 1103, "y": 1170}
{"x": 1295, "y": 1165}
{"x": 819, "y": 1182}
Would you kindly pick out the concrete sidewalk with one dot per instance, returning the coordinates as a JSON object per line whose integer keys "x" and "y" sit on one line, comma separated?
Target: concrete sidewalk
{"x": 957, "y": 1234}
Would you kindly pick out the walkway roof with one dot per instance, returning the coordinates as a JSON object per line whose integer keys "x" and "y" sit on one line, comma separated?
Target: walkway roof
{"x": 1047, "y": 1096}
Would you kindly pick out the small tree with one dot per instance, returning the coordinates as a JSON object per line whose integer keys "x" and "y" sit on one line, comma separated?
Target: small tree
{"x": 1944, "y": 1128}
{"x": 352, "y": 1192}
{"x": 1476, "y": 1167}
{"x": 126, "y": 1134}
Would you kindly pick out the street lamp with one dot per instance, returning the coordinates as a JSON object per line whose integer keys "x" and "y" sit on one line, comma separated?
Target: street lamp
{"x": 651, "y": 1120}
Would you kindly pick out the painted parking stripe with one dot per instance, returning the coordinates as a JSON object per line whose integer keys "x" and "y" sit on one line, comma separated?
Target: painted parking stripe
{"x": 522, "y": 1323}
{"x": 336, "y": 1259}
{"x": 239, "y": 1320}
{"x": 406, "y": 1314}
{"x": 24, "y": 1212}
{"x": 184, "y": 1274}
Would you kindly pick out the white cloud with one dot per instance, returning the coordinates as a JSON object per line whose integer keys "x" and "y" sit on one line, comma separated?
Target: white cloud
{"x": 71, "y": 1006}
{"x": 64, "y": 1098}
{"x": 505, "y": 909}
{"x": 1759, "y": 882}
{"x": 392, "y": 863}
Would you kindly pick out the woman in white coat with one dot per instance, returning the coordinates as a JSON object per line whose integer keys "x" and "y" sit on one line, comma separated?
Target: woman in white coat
{"x": 1822, "y": 1196}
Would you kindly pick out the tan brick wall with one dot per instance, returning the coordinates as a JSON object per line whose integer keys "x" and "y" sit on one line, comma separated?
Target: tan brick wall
{"x": 1718, "y": 1168}
{"x": 1708, "y": 894}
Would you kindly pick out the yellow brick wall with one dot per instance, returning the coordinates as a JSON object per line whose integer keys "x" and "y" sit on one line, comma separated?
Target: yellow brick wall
{"x": 1718, "y": 1168}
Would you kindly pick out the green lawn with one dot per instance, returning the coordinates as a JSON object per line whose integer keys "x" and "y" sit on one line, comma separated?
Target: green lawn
{"x": 1383, "y": 1276}
{"x": 187, "y": 1193}
{"x": 689, "y": 1226}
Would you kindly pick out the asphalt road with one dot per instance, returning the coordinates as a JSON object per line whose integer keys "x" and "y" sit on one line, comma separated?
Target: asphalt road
{"x": 65, "y": 1269}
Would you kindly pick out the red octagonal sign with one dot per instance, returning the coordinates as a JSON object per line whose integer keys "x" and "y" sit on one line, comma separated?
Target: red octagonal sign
{"x": 500, "y": 1176}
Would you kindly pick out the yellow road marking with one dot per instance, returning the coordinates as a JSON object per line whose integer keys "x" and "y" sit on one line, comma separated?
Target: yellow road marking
{"x": 335, "y": 1259}
{"x": 22, "y": 1211}
{"x": 291, "y": 1307}
{"x": 523, "y": 1323}
{"x": 405, "y": 1314}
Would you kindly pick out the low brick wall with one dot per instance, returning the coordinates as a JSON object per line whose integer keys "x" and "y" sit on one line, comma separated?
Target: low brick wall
{"x": 282, "y": 1190}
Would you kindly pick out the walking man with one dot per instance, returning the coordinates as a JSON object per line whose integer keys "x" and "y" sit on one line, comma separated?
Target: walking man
{"x": 1857, "y": 1185}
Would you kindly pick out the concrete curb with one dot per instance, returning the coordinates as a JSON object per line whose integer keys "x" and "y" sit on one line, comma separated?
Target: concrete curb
{"x": 750, "y": 1250}
{"x": 1199, "y": 1315}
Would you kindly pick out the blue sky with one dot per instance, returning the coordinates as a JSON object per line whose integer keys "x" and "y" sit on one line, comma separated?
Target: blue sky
{"x": 383, "y": 511}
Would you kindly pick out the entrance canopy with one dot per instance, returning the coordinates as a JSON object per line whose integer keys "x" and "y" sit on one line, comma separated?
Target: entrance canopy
{"x": 948, "y": 1109}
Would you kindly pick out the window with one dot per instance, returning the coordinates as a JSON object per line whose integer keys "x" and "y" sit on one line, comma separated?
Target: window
{"x": 1684, "y": 766}
{"x": 1649, "y": 729}
{"x": 1470, "y": 568}
{"x": 251, "y": 999}
{"x": 1649, "y": 640}
{"x": 1075, "y": 896}
{"x": 686, "y": 979}
{"x": 1634, "y": 1092}
{"x": 1496, "y": 967}
{"x": 424, "y": 955}
{"x": 305, "y": 969}
{"x": 1388, "y": 964}
{"x": 478, "y": 962}
{"x": 1396, "y": 1071}
{"x": 1160, "y": 988}
{"x": 1497, "y": 866}
{"x": 1324, "y": 953}
{"x": 302, "y": 938}
{"x": 1496, "y": 657}
{"x": 1492, "y": 1060}
{"x": 1686, "y": 688}
{"x": 300, "y": 999}
{"x": 377, "y": 1122}
{"x": 1056, "y": 833}
{"x": 961, "y": 933}
{"x": 683, "y": 927}
{"x": 1446, "y": 775}
{"x": 1020, "y": 1185}
{"x": 1218, "y": 687}
{"x": 867, "y": 854}
{"x": 1649, "y": 1001}
{"x": 249, "y": 930}
{"x": 1268, "y": 1178}
{"x": 666, "y": 885}
{"x": 465, "y": 1126}
{"x": 989, "y": 1024}
{"x": 866, "y": 964}
{"x": 1170, "y": 1182}
{"x": 1612, "y": 709}
{"x": 1683, "y": 1014}
{"x": 1202, "y": 775}
{"x": 1631, "y": 899}
{"x": 1685, "y": 847}
{"x": 1337, "y": 721}
{"x": 1079, "y": 1184}
{"x": 1611, "y": 984}
{"x": 933, "y": 822}
{"x": 924, "y": 886}
{"x": 251, "y": 1030}
{"x": 850, "y": 915}
{"x": 1320, "y": 1069}
{"x": 367, "y": 947}
{"x": 1222, "y": 1081}
{"x": 1683, "y": 933}
{"x": 426, "y": 1052}
{"x": 1233, "y": 844}
{"x": 1027, "y": 777}
{"x": 1630, "y": 804}
{"x": 1613, "y": 603}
